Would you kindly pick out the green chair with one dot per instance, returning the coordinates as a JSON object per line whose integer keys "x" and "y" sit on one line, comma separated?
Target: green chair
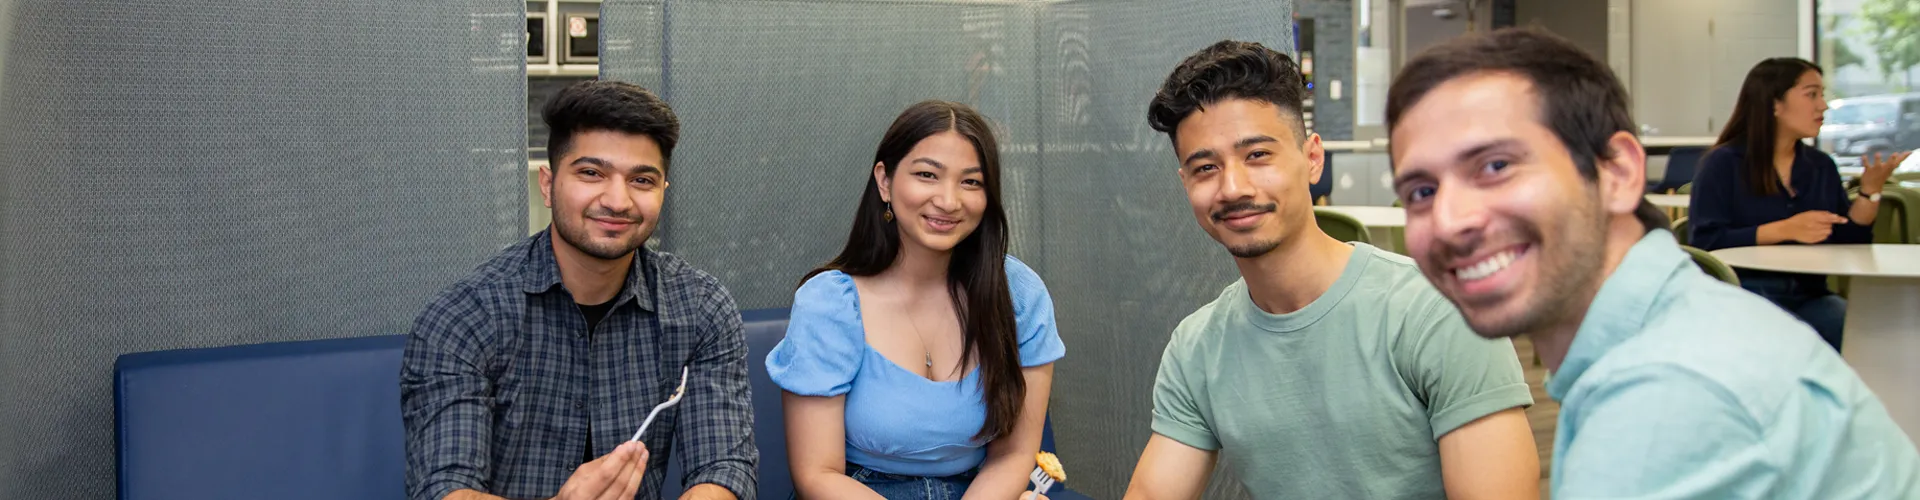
{"x": 1712, "y": 265}
{"x": 1341, "y": 226}
{"x": 1902, "y": 205}
{"x": 1680, "y": 230}
{"x": 1895, "y": 223}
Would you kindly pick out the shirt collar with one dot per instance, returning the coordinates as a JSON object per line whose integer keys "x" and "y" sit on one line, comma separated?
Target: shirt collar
{"x": 541, "y": 272}
{"x": 1621, "y": 309}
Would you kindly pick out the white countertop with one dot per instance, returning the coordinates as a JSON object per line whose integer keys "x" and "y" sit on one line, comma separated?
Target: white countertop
{"x": 1884, "y": 261}
{"x": 1372, "y": 216}
{"x": 1670, "y": 200}
{"x": 1673, "y": 141}
{"x": 1354, "y": 146}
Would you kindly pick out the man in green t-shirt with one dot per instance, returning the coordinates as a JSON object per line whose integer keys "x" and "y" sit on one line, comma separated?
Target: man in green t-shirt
{"x": 1329, "y": 370}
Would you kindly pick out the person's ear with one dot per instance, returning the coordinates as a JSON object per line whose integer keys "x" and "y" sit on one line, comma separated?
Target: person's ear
{"x": 885, "y": 183}
{"x": 1623, "y": 178}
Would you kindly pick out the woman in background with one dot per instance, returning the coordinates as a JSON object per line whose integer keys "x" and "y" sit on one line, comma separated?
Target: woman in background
{"x": 917, "y": 363}
{"x": 1761, "y": 185}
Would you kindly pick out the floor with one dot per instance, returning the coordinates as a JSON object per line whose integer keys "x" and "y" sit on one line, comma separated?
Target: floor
{"x": 1544, "y": 413}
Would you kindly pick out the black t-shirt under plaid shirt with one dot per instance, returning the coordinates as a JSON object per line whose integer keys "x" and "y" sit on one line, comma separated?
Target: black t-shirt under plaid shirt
{"x": 500, "y": 383}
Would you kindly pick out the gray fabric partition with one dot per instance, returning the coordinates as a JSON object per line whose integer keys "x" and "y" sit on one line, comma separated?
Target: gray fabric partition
{"x": 6, "y": 35}
{"x": 191, "y": 173}
{"x": 783, "y": 101}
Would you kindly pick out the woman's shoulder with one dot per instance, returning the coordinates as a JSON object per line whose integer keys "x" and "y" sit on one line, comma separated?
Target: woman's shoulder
{"x": 830, "y": 293}
{"x": 827, "y": 284}
{"x": 822, "y": 349}
{"x": 1723, "y": 153}
{"x": 1722, "y": 160}
{"x": 1022, "y": 279}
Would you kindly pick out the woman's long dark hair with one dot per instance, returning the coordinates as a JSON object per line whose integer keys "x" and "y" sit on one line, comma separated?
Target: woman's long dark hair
{"x": 1753, "y": 127}
{"x": 976, "y": 275}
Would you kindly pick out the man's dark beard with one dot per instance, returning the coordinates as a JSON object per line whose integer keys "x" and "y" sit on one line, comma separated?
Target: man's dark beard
{"x": 581, "y": 237}
{"x": 1566, "y": 271}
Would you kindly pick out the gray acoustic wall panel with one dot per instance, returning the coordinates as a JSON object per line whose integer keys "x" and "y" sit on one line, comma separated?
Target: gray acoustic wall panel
{"x": 6, "y": 34}
{"x": 633, "y": 42}
{"x": 783, "y": 102}
{"x": 191, "y": 173}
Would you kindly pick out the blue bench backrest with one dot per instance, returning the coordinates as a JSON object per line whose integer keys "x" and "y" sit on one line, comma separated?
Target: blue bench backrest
{"x": 318, "y": 420}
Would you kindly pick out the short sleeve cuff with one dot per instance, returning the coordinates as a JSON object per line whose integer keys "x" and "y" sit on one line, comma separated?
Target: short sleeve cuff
{"x": 1185, "y": 434}
{"x": 1480, "y": 405}
{"x": 1047, "y": 350}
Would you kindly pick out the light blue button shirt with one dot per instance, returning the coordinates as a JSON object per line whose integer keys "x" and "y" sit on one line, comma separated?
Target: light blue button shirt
{"x": 1680, "y": 386}
{"x": 897, "y": 421}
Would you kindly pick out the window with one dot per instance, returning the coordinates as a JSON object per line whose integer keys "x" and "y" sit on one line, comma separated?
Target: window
{"x": 1853, "y": 112}
{"x": 1866, "y": 49}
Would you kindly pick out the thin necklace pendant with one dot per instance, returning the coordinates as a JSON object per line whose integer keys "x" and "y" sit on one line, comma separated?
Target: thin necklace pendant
{"x": 929, "y": 359}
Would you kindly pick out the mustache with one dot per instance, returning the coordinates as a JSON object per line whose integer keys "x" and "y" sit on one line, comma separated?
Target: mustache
{"x": 1446, "y": 250}
{"x": 603, "y": 213}
{"x": 1242, "y": 206}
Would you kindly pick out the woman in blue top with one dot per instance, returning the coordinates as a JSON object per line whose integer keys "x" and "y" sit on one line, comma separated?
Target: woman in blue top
{"x": 1761, "y": 185}
{"x": 918, "y": 362}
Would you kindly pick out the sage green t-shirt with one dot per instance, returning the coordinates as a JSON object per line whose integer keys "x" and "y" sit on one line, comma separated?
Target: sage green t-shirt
{"x": 1344, "y": 398}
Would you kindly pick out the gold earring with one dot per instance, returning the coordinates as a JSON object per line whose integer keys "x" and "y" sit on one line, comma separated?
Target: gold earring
{"x": 888, "y": 215}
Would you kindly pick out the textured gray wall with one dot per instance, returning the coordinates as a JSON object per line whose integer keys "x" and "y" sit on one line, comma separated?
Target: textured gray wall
{"x": 6, "y": 35}
{"x": 783, "y": 101}
{"x": 191, "y": 173}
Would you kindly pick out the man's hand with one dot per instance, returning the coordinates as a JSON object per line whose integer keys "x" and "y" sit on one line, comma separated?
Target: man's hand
{"x": 614, "y": 476}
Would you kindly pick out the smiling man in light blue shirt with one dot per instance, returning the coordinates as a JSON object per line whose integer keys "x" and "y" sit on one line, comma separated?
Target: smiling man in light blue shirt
{"x": 1515, "y": 157}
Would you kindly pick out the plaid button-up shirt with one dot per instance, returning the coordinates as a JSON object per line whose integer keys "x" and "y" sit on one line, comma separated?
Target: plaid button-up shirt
{"x": 501, "y": 380}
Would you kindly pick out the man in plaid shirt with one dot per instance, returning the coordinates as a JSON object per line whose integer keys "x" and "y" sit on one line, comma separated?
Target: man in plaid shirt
{"x": 527, "y": 378}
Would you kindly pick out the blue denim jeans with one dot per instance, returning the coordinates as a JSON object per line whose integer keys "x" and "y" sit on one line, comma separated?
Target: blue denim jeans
{"x": 899, "y": 487}
{"x": 1817, "y": 307}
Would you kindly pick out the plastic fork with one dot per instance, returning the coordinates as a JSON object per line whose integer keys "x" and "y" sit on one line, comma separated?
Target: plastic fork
{"x": 1041, "y": 481}
{"x": 677, "y": 393}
